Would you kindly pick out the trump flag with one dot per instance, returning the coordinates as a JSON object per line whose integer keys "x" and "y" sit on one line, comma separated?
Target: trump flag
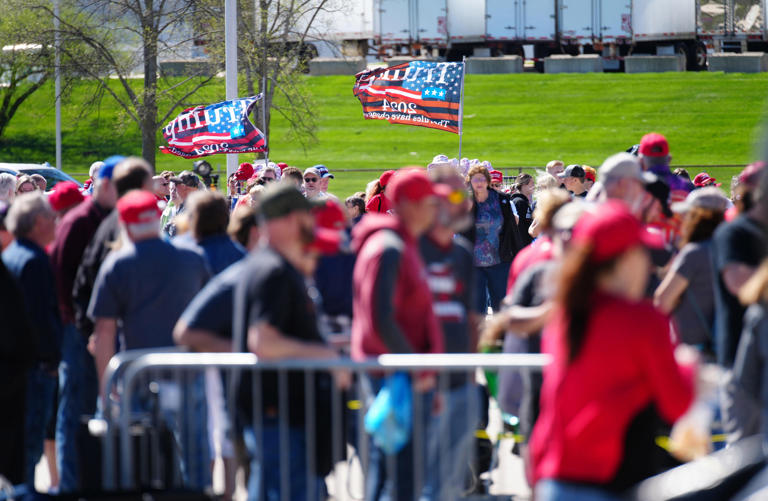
{"x": 216, "y": 128}
{"x": 422, "y": 93}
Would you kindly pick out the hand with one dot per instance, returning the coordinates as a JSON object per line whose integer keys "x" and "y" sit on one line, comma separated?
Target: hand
{"x": 342, "y": 378}
{"x": 92, "y": 344}
{"x": 424, "y": 383}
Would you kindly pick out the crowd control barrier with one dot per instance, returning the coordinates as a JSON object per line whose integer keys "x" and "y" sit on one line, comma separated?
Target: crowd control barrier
{"x": 153, "y": 430}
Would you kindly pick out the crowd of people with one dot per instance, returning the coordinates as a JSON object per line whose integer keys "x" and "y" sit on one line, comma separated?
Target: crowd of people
{"x": 631, "y": 276}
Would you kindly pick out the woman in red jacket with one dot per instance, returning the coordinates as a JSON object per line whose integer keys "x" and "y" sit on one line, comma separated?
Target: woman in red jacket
{"x": 613, "y": 370}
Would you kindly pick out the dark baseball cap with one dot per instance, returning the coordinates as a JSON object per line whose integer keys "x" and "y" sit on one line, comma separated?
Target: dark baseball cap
{"x": 573, "y": 171}
{"x": 660, "y": 191}
{"x": 281, "y": 199}
{"x": 187, "y": 178}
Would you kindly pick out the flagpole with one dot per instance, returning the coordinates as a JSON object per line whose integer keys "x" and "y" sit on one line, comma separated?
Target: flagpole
{"x": 264, "y": 118}
{"x": 461, "y": 103}
{"x": 230, "y": 59}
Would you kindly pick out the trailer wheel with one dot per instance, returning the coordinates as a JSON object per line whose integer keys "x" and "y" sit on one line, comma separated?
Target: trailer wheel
{"x": 700, "y": 52}
{"x": 695, "y": 54}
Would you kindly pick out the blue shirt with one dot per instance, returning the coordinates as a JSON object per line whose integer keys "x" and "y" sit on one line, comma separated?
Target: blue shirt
{"x": 488, "y": 223}
{"x": 31, "y": 267}
{"x": 219, "y": 251}
{"x": 146, "y": 286}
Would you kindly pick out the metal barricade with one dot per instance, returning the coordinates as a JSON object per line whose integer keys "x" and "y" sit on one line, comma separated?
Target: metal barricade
{"x": 136, "y": 382}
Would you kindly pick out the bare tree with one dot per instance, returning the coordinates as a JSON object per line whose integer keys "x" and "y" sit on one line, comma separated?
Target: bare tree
{"x": 125, "y": 37}
{"x": 274, "y": 48}
{"x": 26, "y": 58}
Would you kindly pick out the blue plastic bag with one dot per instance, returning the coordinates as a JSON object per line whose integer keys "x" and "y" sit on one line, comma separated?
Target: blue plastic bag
{"x": 390, "y": 416}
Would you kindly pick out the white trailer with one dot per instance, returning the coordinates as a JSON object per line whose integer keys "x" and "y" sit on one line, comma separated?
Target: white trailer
{"x": 656, "y": 20}
{"x": 527, "y": 21}
{"x": 613, "y": 21}
{"x": 395, "y": 22}
{"x": 466, "y": 21}
{"x": 429, "y": 26}
{"x": 576, "y": 21}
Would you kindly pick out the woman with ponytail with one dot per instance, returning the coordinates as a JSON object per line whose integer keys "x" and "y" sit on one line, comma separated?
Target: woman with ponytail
{"x": 613, "y": 372}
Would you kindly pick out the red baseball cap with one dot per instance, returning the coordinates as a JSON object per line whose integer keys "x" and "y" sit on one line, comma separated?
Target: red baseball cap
{"x": 611, "y": 230}
{"x": 412, "y": 185}
{"x": 654, "y": 145}
{"x": 329, "y": 215}
{"x": 703, "y": 179}
{"x": 138, "y": 207}
{"x": 590, "y": 174}
{"x": 496, "y": 176}
{"x": 65, "y": 195}
{"x": 244, "y": 172}
{"x": 384, "y": 178}
{"x": 326, "y": 242}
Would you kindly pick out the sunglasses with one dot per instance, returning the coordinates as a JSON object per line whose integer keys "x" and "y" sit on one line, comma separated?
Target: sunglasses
{"x": 310, "y": 179}
{"x": 457, "y": 196}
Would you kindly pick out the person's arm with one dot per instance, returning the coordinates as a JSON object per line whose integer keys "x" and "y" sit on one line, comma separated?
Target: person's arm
{"x": 735, "y": 275}
{"x": 523, "y": 321}
{"x": 669, "y": 292}
{"x": 384, "y": 310}
{"x": 201, "y": 340}
{"x": 269, "y": 343}
{"x": 102, "y": 345}
{"x": 534, "y": 229}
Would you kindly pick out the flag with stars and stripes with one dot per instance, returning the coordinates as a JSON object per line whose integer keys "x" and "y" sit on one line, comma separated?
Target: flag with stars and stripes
{"x": 216, "y": 128}
{"x": 421, "y": 93}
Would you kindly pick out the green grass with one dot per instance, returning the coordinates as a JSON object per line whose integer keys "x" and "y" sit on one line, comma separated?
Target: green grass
{"x": 511, "y": 120}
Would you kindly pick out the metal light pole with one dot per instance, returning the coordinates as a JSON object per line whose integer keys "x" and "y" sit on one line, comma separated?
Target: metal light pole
{"x": 57, "y": 81}
{"x": 230, "y": 58}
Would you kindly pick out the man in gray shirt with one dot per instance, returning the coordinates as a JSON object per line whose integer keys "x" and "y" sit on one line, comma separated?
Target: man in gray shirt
{"x": 144, "y": 287}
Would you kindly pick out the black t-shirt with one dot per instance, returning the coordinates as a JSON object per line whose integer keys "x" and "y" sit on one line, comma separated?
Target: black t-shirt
{"x": 274, "y": 292}
{"x": 742, "y": 241}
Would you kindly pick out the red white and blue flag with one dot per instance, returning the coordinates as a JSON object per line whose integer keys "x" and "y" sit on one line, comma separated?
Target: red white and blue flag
{"x": 422, "y": 93}
{"x": 216, "y": 128}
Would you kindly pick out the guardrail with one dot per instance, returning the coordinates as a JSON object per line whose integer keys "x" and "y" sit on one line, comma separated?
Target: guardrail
{"x": 131, "y": 376}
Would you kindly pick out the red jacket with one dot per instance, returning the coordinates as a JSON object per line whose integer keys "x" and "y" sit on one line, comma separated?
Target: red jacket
{"x": 412, "y": 299}
{"x": 625, "y": 363}
{"x": 378, "y": 203}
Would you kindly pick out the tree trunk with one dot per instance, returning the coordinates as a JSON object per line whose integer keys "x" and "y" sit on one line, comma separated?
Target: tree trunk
{"x": 148, "y": 108}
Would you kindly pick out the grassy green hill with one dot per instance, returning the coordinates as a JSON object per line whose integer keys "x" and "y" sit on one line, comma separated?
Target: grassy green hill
{"x": 511, "y": 120}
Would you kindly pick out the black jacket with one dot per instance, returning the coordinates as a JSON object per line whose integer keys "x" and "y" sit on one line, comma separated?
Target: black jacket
{"x": 523, "y": 207}
{"x": 509, "y": 239}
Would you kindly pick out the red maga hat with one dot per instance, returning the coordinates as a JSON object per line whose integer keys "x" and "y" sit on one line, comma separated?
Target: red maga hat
{"x": 703, "y": 179}
{"x": 654, "y": 145}
{"x": 412, "y": 185}
{"x": 329, "y": 215}
{"x": 244, "y": 172}
{"x": 138, "y": 207}
{"x": 385, "y": 177}
{"x": 496, "y": 176}
{"x": 612, "y": 230}
{"x": 65, "y": 195}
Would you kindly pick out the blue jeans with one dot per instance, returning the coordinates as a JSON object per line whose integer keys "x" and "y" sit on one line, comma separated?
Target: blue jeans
{"x": 491, "y": 282}
{"x": 180, "y": 406}
{"x": 393, "y": 477}
{"x": 555, "y": 490}
{"x": 264, "y": 449}
{"x": 41, "y": 388}
{"x": 78, "y": 392}
{"x": 449, "y": 443}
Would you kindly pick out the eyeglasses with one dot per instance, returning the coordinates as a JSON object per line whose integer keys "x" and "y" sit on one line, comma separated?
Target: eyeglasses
{"x": 310, "y": 179}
